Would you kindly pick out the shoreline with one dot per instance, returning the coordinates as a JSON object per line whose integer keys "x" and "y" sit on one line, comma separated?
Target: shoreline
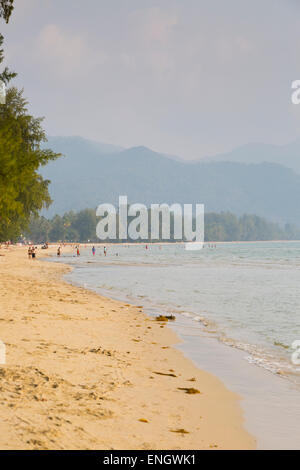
{"x": 163, "y": 243}
{"x": 88, "y": 372}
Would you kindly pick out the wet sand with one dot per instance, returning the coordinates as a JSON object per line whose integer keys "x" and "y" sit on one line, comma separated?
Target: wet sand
{"x": 87, "y": 372}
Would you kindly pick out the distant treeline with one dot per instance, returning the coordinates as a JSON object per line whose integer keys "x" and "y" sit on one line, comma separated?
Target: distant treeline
{"x": 81, "y": 227}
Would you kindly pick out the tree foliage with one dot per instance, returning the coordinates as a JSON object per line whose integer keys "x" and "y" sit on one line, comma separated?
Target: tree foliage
{"x": 6, "y": 75}
{"x": 81, "y": 227}
{"x": 71, "y": 227}
{"x": 6, "y": 8}
{"x": 23, "y": 192}
{"x": 228, "y": 227}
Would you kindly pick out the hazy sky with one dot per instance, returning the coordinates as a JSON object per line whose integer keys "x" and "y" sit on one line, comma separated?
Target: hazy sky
{"x": 185, "y": 77}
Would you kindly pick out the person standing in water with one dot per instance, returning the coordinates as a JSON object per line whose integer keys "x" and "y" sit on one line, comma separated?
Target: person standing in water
{"x": 93, "y": 250}
{"x": 104, "y": 251}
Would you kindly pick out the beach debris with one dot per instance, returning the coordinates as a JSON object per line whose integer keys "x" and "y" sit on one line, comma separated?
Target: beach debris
{"x": 180, "y": 431}
{"x": 161, "y": 318}
{"x": 192, "y": 379}
{"x": 165, "y": 318}
{"x": 166, "y": 374}
{"x": 142, "y": 420}
{"x": 282, "y": 345}
{"x": 100, "y": 351}
{"x": 127, "y": 382}
{"x": 189, "y": 390}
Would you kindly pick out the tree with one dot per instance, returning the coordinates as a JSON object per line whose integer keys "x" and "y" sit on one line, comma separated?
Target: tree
{"x": 23, "y": 192}
{"x": 58, "y": 230}
{"x": 85, "y": 224}
{"x": 38, "y": 230}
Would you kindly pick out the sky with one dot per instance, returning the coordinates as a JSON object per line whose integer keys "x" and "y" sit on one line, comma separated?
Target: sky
{"x": 185, "y": 77}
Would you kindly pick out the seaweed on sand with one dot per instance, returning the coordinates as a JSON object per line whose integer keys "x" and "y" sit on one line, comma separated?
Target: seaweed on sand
{"x": 189, "y": 390}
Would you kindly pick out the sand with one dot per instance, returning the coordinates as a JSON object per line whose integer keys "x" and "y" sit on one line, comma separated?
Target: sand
{"x": 87, "y": 372}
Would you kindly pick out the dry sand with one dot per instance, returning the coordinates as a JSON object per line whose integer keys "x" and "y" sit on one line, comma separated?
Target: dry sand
{"x": 86, "y": 372}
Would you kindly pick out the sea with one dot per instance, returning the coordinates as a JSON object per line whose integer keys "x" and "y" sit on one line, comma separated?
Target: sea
{"x": 237, "y": 309}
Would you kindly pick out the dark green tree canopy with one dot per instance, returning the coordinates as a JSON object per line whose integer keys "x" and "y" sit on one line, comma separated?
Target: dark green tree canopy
{"x": 81, "y": 227}
{"x": 23, "y": 192}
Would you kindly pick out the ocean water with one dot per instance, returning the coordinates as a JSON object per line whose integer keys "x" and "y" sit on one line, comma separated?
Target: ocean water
{"x": 237, "y": 311}
{"x": 245, "y": 294}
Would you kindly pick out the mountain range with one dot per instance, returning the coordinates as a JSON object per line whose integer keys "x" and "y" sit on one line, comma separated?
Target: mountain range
{"x": 286, "y": 155}
{"x": 255, "y": 179}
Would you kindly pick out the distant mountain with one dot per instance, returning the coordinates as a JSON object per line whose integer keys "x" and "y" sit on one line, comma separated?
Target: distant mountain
{"x": 89, "y": 175}
{"x": 75, "y": 146}
{"x": 287, "y": 155}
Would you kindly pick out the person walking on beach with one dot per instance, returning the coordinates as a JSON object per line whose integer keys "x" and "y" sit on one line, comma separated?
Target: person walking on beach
{"x": 93, "y": 250}
{"x": 104, "y": 251}
{"x": 33, "y": 252}
{"x": 58, "y": 251}
{"x": 78, "y": 252}
{"x": 29, "y": 252}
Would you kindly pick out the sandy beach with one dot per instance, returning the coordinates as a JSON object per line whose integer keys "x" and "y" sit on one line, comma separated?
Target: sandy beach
{"x": 87, "y": 372}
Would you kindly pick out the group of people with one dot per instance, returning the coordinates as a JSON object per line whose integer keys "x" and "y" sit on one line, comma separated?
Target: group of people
{"x": 104, "y": 250}
{"x": 77, "y": 248}
{"x": 32, "y": 252}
